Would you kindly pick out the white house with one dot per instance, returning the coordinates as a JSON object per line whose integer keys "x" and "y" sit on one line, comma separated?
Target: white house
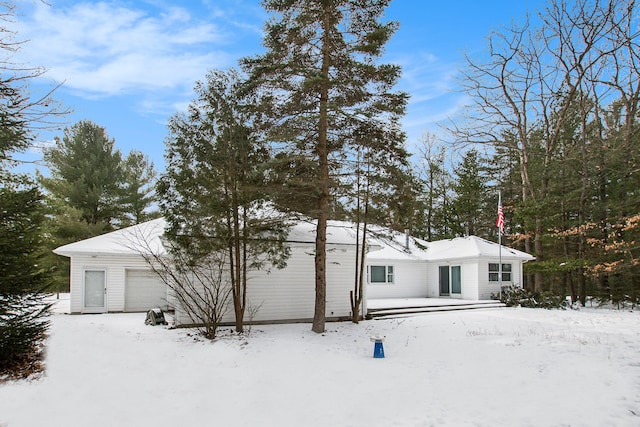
{"x": 464, "y": 267}
{"x": 109, "y": 274}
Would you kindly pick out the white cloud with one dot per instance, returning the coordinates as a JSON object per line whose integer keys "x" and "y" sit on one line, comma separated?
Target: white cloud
{"x": 39, "y": 146}
{"x": 426, "y": 76}
{"x": 434, "y": 98}
{"x": 104, "y": 49}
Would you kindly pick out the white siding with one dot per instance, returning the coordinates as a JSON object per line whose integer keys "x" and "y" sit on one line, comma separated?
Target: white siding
{"x": 410, "y": 280}
{"x": 115, "y": 268}
{"x": 289, "y": 294}
{"x": 468, "y": 278}
{"x": 420, "y": 279}
{"x": 486, "y": 288}
{"x": 475, "y": 278}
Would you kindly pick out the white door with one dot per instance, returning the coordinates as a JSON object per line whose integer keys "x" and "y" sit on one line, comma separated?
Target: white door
{"x": 94, "y": 291}
{"x": 144, "y": 290}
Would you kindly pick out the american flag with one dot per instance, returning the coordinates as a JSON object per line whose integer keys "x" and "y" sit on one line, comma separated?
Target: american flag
{"x": 500, "y": 220}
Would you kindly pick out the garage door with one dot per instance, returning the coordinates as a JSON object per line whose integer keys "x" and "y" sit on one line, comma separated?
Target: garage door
{"x": 144, "y": 291}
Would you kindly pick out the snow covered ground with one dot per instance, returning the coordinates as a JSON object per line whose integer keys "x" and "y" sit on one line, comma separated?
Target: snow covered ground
{"x": 494, "y": 367}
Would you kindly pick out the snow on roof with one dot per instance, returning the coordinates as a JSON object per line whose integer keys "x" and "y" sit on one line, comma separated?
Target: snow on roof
{"x": 384, "y": 244}
{"x": 338, "y": 232}
{"x": 392, "y": 245}
{"x": 394, "y": 248}
{"x": 472, "y": 247}
{"x": 141, "y": 238}
{"x": 146, "y": 238}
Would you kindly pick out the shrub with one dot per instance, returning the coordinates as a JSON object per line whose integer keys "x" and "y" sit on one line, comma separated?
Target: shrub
{"x": 515, "y": 296}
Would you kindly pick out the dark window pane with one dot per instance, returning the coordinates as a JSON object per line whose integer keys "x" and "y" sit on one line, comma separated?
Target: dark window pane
{"x": 378, "y": 274}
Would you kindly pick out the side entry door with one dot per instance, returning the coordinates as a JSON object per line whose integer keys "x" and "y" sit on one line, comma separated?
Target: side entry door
{"x": 95, "y": 291}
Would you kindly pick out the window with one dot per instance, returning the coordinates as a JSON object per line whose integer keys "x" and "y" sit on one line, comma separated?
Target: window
{"x": 381, "y": 274}
{"x": 494, "y": 273}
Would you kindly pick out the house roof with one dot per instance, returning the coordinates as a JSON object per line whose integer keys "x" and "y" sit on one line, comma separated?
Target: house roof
{"x": 384, "y": 244}
{"x": 338, "y": 232}
{"x": 394, "y": 247}
{"x": 140, "y": 238}
{"x": 146, "y": 238}
{"x": 474, "y": 247}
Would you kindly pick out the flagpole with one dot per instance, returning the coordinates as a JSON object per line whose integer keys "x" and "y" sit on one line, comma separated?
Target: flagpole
{"x": 500, "y": 228}
{"x": 500, "y": 262}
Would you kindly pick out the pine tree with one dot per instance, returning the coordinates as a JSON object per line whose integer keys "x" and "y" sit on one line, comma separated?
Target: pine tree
{"x": 213, "y": 191}
{"x": 324, "y": 93}
{"x": 23, "y": 279}
{"x": 86, "y": 174}
{"x": 23, "y": 311}
{"x": 92, "y": 190}
{"x": 470, "y": 204}
{"x": 137, "y": 188}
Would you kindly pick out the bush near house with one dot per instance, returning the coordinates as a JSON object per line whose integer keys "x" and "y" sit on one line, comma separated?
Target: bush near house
{"x": 515, "y": 296}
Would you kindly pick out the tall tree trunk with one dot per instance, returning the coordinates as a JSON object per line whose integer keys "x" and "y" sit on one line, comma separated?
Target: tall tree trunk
{"x": 582, "y": 286}
{"x": 323, "y": 197}
{"x": 572, "y": 286}
{"x": 538, "y": 276}
{"x": 584, "y": 194}
{"x": 235, "y": 252}
{"x": 320, "y": 267}
{"x": 430, "y": 206}
{"x": 361, "y": 246}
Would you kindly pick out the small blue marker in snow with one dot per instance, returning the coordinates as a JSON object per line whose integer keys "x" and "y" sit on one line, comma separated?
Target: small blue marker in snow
{"x": 378, "y": 348}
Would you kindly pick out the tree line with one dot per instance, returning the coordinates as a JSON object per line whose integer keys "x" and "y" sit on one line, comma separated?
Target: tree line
{"x": 556, "y": 102}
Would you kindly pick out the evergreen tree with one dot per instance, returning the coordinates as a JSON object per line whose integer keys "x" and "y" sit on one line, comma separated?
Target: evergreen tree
{"x": 614, "y": 228}
{"x": 23, "y": 280}
{"x": 213, "y": 191}
{"x": 90, "y": 176}
{"x": 92, "y": 190}
{"x": 23, "y": 312}
{"x": 137, "y": 188}
{"x": 324, "y": 93}
{"x": 86, "y": 174}
{"x": 471, "y": 203}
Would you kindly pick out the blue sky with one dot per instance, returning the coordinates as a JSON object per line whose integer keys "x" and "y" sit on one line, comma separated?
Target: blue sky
{"x": 129, "y": 65}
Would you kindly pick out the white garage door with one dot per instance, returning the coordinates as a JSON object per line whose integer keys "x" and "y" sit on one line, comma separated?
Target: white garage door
{"x": 144, "y": 291}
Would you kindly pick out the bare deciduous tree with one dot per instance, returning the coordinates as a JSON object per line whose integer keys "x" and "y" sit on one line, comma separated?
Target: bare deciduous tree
{"x": 200, "y": 291}
{"x": 522, "y": 96}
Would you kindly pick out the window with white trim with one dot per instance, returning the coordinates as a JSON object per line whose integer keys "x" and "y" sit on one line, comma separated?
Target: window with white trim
{"x": 381, "y": 274}
{"x": 494, "y": 272}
